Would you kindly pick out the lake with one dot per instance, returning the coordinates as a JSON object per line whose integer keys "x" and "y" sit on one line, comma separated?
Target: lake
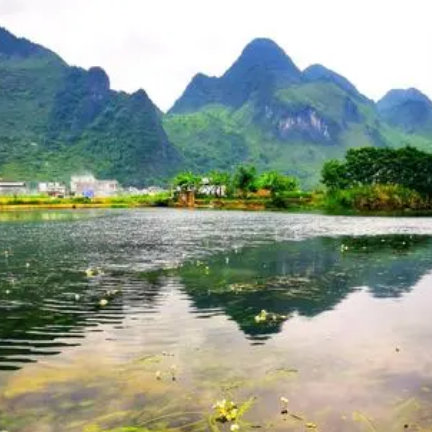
{"x": 144, "y": 319}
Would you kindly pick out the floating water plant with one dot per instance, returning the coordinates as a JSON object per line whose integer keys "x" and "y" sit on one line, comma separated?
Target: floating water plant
{"x": 261, "y": 317}
{"x": 284, "y": 402}
{"x": 103, "y": 302}
{"x": 226, "y": 411}
{"x": 93, "y": 272}
{"x": 173, "y": 371}
{"x": 269, "y": 317}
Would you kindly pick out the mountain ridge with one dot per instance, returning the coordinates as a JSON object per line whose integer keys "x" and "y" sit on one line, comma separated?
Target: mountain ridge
{"x": 409, "y": 109}
{"x": 56, "y": 120}
{"x": 278, "y": 117}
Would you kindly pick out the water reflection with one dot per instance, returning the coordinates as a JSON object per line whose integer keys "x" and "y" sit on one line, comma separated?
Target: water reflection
{"x": 47, "y": 309}
{"x": 343, "y": 297}
{"x": 304, "y": 278}
{"x": 44, "y": 314}
{"x": 46, "y": 216}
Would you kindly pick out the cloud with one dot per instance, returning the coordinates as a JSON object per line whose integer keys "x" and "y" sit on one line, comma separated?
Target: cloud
{"x": 10, "y": 7}
{"x": 160, "y": 44}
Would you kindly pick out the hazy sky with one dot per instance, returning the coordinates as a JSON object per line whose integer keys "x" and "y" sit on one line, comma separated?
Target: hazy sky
{"x": 160, "y": 44}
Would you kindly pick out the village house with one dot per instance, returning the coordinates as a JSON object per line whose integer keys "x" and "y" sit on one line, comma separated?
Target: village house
{"x": 12, "y": 188}
{"x": 52, "y": 189}
{"x": 210, "y": 189}
{"x": 88, "y": 186}
{"x": 151, "y": 190}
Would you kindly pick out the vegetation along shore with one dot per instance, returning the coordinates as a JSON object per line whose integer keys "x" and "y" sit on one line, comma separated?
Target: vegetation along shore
{"x": 369, "y": 180}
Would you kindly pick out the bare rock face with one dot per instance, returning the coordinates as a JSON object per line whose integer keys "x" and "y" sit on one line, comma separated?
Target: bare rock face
{"x": 308, "y": 122}
{"x": 304, "y": 123}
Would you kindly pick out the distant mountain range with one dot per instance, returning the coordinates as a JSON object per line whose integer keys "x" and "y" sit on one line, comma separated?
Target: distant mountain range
{"x": 56, "y": 120}
{"x": 264, "y": 110}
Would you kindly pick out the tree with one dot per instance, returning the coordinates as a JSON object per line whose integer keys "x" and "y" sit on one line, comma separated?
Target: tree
{"x": 245, "y": 178}
{"x": 187, "y": 181}
{"x": 276, "y": 182}
{"x": 334, "y": 175}
{"x": 407, "y": 167}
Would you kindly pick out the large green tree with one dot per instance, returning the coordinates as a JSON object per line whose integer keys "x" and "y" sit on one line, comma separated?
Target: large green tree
{"x": 245, "y": 178}
{"x": 407, "y": 167}
{"x": 187, "y": 181}
{"x": 276, "y": 182}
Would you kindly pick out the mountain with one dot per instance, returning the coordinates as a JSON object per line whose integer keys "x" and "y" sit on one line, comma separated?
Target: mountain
{"x": 265, "y": 111}
{"x": 409, "y": 110}
{"x": 319, "y": 73}
{"x": 57, "y": 120}
{"x": 262, "y": 67}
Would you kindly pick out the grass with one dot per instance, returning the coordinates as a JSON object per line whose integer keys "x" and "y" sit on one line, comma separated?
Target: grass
{"x": 158, "y": 200}
{"x": 375, "y": 198}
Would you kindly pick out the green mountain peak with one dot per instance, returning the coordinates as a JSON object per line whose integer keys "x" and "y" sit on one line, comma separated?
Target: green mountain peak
{"x": 407, "y": 109}
{"x": 261, "y": 67}
{"x": 56, "y": 120}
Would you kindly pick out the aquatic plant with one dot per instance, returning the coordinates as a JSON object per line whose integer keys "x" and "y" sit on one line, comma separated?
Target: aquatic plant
{"x": 269, "y": 317}
{"x": 284, "y": 402}
{"x": 227, "y": 411}
{"x": 93, "y": 272}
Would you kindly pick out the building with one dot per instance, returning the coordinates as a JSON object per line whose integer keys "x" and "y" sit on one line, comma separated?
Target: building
{"x": 52, "y": 188}
{"x": 151, "y": 190}
{"x": 89, "y": 186}
{"x": 12, "y": 188}
{"x": 207, "y": 188}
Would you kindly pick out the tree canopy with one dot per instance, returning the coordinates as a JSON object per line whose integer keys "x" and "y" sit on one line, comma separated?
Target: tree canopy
{"x": 276, "y": 182}
{"x": 407, "y": 167}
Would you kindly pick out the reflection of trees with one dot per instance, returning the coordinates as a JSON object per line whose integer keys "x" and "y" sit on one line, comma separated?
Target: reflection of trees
{"x": 40, "y": 315}
{"x": 307, "y": 277}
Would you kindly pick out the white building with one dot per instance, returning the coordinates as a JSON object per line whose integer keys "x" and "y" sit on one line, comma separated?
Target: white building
{"x": 12, "y": 188}
{"x": 89, "y": 186}
{"x": 52, "y": 188}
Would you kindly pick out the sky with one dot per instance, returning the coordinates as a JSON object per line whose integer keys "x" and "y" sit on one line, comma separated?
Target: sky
{"x": 159, "y": 45}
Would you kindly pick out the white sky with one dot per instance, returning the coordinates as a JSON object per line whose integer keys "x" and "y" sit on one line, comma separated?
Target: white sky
{"x": 159, "y": 45}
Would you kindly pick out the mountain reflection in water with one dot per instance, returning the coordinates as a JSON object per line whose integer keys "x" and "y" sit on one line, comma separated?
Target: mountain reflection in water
{"x": 350, "y": 296}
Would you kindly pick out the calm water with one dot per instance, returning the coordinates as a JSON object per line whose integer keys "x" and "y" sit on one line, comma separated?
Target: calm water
{"x": 350, "y": 345}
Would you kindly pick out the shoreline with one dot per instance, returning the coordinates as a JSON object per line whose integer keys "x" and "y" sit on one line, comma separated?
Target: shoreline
{"x": 228, "y": 205}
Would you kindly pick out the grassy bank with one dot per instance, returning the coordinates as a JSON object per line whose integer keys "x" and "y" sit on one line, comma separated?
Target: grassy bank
{"x": 366, "y": 200}
{"x": 290, "y": 200}
{"x": 42, "y": 201}
{"x": 285, "y": 201}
